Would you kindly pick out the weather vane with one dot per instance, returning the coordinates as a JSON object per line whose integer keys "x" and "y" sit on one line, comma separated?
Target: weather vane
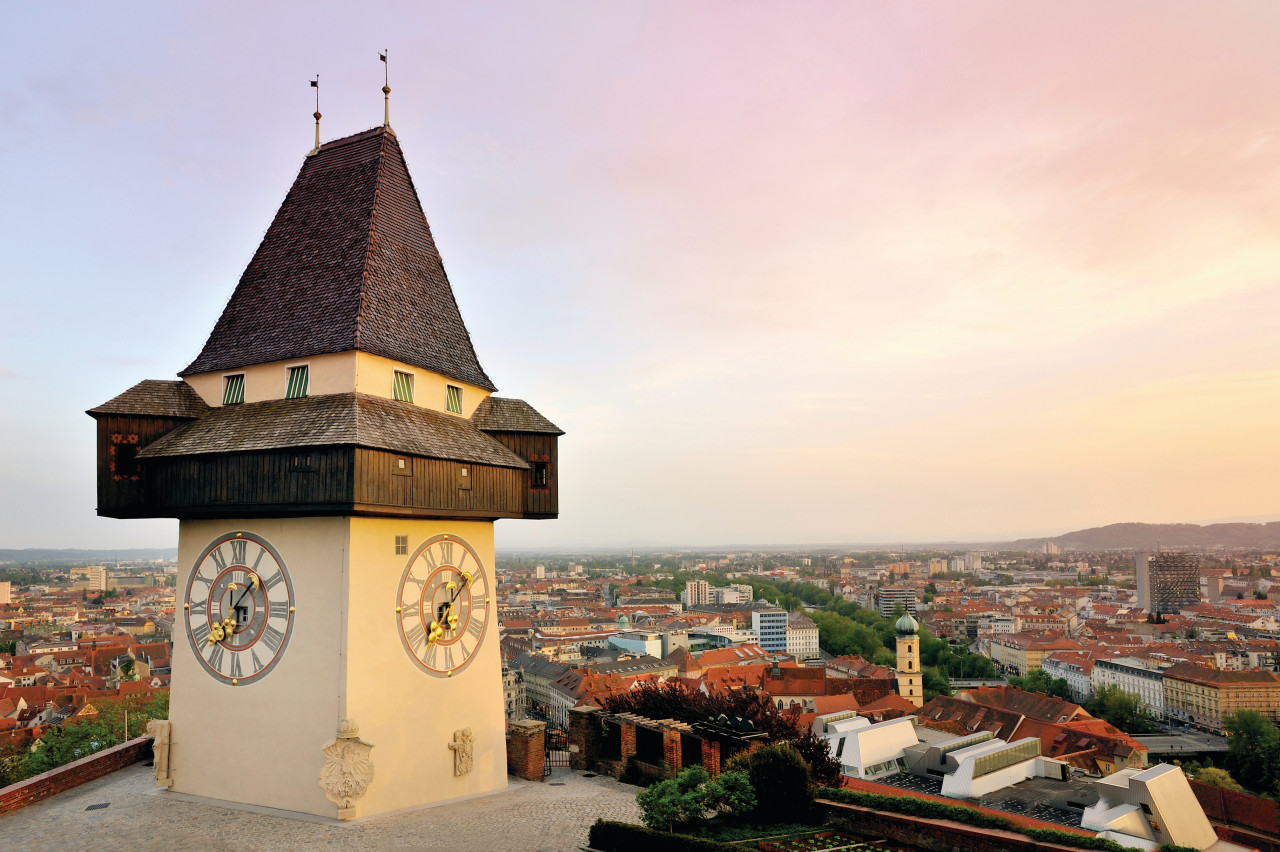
{"x": 315, "y": 84}
{"x": 386, "y": 89}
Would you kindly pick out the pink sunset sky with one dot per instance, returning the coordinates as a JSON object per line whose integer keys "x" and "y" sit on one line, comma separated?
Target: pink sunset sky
{"x": 784, "y": 272}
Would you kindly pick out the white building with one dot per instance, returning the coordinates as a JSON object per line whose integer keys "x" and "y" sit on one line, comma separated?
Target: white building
{"x": 1133, "y": 676}
{"x": 6, "y": 592}
{"x": 802, "y": 637}
{"x": 1148, "y": 807}
{"x": 890, "y": 598}
{"x": 866, "y": 750}
{"x": 770, "y": 627}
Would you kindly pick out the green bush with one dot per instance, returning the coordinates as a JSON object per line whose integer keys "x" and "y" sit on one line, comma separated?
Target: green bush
{"x": 624, "y": 837}
{"x": 781, "y": 780}
{"x": 694, "y": 795}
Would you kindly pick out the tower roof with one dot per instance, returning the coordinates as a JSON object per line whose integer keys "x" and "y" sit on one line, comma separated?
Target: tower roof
{"x": 348, "y": 263}
{"x": 906, "y": 625}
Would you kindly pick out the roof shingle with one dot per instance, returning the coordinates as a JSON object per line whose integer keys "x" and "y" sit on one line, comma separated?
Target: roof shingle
{"x": 155, "y": 398}
{"x": 496, "y": 414}
{"x": 365, "y": 421}
{"x": 348, "y": 263}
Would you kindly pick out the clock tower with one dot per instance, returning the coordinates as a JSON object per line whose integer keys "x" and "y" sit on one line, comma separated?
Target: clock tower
{"x": 337, "y": 459}
{"x": 910, "y": 681}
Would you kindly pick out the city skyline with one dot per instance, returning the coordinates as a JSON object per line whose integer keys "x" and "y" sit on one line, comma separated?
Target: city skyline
{"x": 814, "y": 274}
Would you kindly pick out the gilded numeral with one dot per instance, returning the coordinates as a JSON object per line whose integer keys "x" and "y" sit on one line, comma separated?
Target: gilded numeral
{"x": 273, "y": 638}
{"x": 239, "y": 548}
{"x": 200, "y": 633}
{"x": 215, "y": 657}
{"x": 218, "y": 558}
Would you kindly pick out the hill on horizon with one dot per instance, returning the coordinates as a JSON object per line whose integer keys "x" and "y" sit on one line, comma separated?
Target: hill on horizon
{"x": 1166, "y": 536}
{"x": 44, "y": 554}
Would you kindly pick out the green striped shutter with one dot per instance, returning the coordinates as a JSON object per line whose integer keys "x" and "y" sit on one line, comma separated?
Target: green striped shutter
{"x": 233, "y": 390}
{"x": 403, "y": 386}
{"x": 453, "y": 401}
{"x": 297, "y": 383}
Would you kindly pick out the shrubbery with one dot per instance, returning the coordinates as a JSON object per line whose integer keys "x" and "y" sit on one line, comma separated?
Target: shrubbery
{"x": 694, "y": 795}
{"x": 782, "y": 782}
{"x": 624, "y": 837}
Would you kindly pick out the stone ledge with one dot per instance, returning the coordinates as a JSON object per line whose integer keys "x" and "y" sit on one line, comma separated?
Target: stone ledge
{"x": 73, "y": 774}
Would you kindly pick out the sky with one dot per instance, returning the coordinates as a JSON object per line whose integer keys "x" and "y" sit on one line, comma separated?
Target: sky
{"x": 804, "y": 272}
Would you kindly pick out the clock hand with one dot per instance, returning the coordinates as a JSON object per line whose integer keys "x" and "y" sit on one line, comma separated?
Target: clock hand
{"x": 250, "y": 586}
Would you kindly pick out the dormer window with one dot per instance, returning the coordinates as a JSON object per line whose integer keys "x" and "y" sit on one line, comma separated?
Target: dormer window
{"x": 453, "y": 399}
{"x": 402, "y": 386}
{"x": 233, "y": 389}
{"x": 299, "y": 381}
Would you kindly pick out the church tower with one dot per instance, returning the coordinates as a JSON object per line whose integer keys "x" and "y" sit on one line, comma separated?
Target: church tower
{"x": 910, "y": 686}
{"x": 337, "y": 459}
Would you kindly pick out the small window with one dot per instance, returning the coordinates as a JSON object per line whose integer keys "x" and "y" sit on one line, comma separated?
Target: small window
{"x": 453, "y": 399}
{"x": 541, "y": 475}
{"x": 233, "y": 390}
{"x": 402, "y": 386}
{"x": 402, "y": 545}
{"x": 298, "y": 382}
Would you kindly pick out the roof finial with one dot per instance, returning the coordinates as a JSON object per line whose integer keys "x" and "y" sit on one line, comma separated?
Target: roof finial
{"x": 315, "y": 84}
{"x": 386, "y": 91}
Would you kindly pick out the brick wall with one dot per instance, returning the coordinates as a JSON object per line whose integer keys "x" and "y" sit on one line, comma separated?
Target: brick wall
{"x": 931, "y": 834}
{"x": 1238, "y": 809}
{"x": 526, "y": 750}
{"x": 584, "y": 737}
{"x": 73, "y": 774}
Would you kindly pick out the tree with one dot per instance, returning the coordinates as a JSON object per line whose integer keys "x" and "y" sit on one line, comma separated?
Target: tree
{"x": 1038, "y": 680}
{"x": 782, "y": 782}
{"x": 935, "y": 683}
{"x": 1253, "y": 750}
{"x": 1121, "y": 709}
{"x": 1218, "y": 778}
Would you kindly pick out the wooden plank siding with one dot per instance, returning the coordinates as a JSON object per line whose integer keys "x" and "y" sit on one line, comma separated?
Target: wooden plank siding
{"x": 125, "y": 495}
{"x": 531, "y": 446}
{"x": 434, "y": 484}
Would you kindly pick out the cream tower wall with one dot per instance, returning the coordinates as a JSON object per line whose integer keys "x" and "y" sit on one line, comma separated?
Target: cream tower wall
{"x": 339, "y": 372}
{"x": 910, "y": 686}
{"x": 344, "y": 660}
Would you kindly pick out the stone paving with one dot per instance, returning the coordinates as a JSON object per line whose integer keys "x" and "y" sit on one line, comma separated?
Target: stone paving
{"x": 552, "y": 816}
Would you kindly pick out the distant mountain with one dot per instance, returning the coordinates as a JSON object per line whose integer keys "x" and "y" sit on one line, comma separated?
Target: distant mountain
{"x": 1166, "y": 536}
{"x": 37, "y": 554}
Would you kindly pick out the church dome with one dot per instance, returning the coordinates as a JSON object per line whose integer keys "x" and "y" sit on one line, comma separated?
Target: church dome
{"x": 624, "y": 623}
{"x": 906, "y": 626}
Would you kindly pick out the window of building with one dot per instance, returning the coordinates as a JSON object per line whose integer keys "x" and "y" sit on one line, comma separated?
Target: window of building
{"x": 453, "y": 399}
{"x": 298, "y": 382}
{"x": 233, "y": 389}
{"x": 541, "y": 475}
{"x": 402, "y": 386}
{"x": 402, "y": 545}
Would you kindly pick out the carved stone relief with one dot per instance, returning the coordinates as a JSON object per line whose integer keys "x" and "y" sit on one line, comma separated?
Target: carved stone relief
{"x": 463, "y": 746}
{"x": 159, "y": 730}
{"x": 347, "y": 768}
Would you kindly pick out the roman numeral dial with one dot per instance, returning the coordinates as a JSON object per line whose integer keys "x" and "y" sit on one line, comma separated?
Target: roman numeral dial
{"x": 443, "y": 605}
{"x": 239, "y": 608}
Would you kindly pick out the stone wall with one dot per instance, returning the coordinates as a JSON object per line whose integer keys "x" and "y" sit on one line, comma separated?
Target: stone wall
{"x": 526, "y": 750}
{"x": 586, "y": 743}
{"x": 54, "y": 781}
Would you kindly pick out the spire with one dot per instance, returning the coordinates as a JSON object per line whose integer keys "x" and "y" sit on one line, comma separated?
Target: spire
{"x": 386, "y": 91}
{"x": 315, "y": 84}
{"x": 349, "y": 263}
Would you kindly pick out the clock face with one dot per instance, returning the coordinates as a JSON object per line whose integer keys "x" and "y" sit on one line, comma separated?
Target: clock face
{"x": 442, "y": 609}
{"x": 239, "y": 608}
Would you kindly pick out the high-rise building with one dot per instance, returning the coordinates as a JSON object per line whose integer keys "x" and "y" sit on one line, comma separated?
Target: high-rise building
{"x": 770, "y": 626}
{"x": 1168, "y": 582}
{"x": 890, "y": 598}
{"x": 6, "y": 592}
{"x": 697, "y": 592}
{"x": 96, "y": 578}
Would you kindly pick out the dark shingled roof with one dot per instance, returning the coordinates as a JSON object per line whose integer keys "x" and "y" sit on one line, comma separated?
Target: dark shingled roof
{"x": 343, "y": 418}
{"x": 511, "y": 415}
{"x": 348, "y": 263}
{"x": 155, "y": 398}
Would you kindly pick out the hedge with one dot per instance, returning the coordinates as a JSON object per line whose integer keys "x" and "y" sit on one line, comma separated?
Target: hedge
{"x": 610, "y": 836}
{"x": 929, "y": 809}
